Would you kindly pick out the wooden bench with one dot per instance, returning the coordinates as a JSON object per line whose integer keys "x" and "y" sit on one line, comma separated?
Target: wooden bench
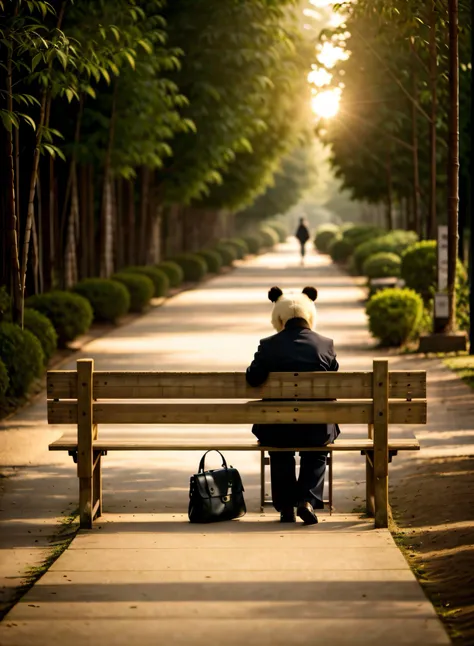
{"x": 87, "y": 398}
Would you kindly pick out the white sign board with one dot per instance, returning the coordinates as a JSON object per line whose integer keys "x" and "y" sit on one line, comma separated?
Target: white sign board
{"x": 441, "y": 306}
{"x": 442, "y": 258}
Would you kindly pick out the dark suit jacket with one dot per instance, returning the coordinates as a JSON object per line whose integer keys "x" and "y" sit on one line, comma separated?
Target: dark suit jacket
{"x": 295, "y": 349}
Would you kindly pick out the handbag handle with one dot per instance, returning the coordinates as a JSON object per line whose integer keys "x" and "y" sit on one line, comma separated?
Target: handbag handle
{"x": 201, "y": 463}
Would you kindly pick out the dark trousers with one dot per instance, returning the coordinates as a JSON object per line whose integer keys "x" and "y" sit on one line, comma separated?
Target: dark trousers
{"x": 287, "y": 491}
{"x": 302, "y": 249}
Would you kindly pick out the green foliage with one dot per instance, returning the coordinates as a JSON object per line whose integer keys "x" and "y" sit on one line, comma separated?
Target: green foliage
{"x": 109, "y": 299}
{"x": 395, "y": 316}
{"x": 359, "y": 233}
{"x": 23, "y": 357}
{"x": 394, "y": 242}
{"x": 268, "y": 236}
{"x": 4, "y": 379}
{"x": 419, "y": 268}
{"x": 194, "y": 267}
{"x": 140, "y": 288}
{"x": 5, "y": 305}
{"x": 325, "y": 235}
{"x": 239, "y": 244}
{"x": 173, "y": 271}
{"x": 340, "y": 249}
{"x": 159, "y": 278}
{"x": 227, "y": 252}
{"x": 382, "y": 265}
{"x": 253, "y": 243}
{"x": 39, "y": 325}
{"x": 70, "y": 314}
{"x": 281, "y": 230}
{"x": 213, "y": 260}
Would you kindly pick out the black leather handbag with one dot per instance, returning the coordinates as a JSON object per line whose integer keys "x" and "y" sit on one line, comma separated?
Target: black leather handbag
{"x": 216, "y": 495}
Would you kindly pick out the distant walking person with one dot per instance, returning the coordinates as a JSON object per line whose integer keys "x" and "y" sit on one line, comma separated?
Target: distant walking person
{"x": 302, "y": 234}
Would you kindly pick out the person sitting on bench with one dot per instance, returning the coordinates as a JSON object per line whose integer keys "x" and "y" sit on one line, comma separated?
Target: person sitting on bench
{"x": 295, "y": 348}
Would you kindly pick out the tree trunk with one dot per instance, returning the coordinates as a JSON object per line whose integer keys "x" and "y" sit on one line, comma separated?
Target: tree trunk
{"x": 432, "y": 217}
{"x": 31, "y": 198}
{"x": 144, "y": 215}
{"x": 70, "y": 254}
{"x": 389, "y": 213}
{"x": 416, "y": 167}
{"x": 40, "y": 237}
{"x": 471, "y": 210}
{"x": 453, "y": 159}
{"x": 106, "y": 215}
{"x": 17, "y": 291}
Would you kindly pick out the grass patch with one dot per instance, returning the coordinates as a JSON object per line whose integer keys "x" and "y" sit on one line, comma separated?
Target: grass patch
{"x": 67, "y": 530}
{"x": 463, "y": 366}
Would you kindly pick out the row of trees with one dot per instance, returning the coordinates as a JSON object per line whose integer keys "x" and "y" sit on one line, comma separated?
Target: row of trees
{"x": 134, "y": 129}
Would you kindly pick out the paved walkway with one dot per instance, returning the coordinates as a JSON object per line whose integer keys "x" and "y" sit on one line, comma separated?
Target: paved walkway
{"x": 146, "y": 573}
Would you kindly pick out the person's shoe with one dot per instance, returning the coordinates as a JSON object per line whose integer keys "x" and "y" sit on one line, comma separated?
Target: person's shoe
{"x": 306, "y": 512}
{"x": 288, "y": 515}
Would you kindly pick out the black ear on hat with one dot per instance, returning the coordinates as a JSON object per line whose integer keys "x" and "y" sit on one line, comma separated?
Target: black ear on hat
{"x": 311, "y": 292}
{"x": 274, "y": 294}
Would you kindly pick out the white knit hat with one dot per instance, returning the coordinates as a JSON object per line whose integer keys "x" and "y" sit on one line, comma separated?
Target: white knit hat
{"x": 300, "y": 305}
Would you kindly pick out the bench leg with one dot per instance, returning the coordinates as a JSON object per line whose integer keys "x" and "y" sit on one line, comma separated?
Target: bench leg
{"x": 97, "y": 478}
{"x": 85, "y": 502}
{"x": 369, "y": 484}
{"x": 330, "y": 459}
{"x": 262, "y": 480}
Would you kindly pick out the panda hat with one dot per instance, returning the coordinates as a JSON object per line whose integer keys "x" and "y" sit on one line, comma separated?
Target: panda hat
{"x": 293, "y": 306}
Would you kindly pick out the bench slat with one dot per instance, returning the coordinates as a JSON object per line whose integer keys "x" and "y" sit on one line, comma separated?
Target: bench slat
{"x": 66, "y": 443}
{"x": 62, "y": 384}
{"x": 254, "y": 412}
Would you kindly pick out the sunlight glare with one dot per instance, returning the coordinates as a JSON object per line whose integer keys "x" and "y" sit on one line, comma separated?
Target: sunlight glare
{"x": 326, "y": 104}
{"x": 329, "y": 55}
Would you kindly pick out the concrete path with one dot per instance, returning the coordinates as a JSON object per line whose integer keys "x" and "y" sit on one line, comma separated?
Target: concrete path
{"x": 147, "y": 573}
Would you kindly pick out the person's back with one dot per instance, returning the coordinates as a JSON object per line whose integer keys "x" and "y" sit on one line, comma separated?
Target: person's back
{"x": 295, "y": 348}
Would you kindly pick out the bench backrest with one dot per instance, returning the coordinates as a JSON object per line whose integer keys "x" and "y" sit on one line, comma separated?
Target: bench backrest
{"x": 362, "y": 397}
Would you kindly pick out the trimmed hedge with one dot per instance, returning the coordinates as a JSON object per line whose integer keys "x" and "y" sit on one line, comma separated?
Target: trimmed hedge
{"x": 194, "y": 267}
{"x": 395, "y": 315}
{"x": 40, "y": 325}
{"x": 382, "y": 265}
{"x": 23, "y": 357}
{"x": 325, "y": 235}
{"x": 70, "y": 314}
{"x": 173, "y": 271}
{"x": 227, "y": 252}
{"x": 139, "y": 287}
{"x": 109, "y": 299}
{"x": 280, "y": 229}
{"x": 360, "y": 233}
{"x": 158, "y": 277}
{"x": 5, "y": 305}
{"x": 253, "y": 243}
{"x": 268, "y": 236}
{"x": 4, "y": 379}
{"x": 240, "y": 246}
{"x": 340, "y": 250}
{"x": 213, "y": 260}
{"x": 394, "y": 242}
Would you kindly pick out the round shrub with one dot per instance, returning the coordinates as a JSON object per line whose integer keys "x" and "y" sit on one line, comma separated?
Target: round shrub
{"x": 109, "y": 299}
{"x": 159, "y": 279}
{"x": 240, "y": 246}
{"x": 382, "y": 265}
{"x": 419, "y": 268}
{"x": 140, "y": 289}
{"x": 395, "y": 315}
{"x": 227, "y": 252}
{"x": 394, "y": 242}
{"x": 268, "y": 236}
{"x": 4, "y": 379}
{"x": 5, "y": 305}
{"x": 70, "y": 314}
{"x": 213, "y": 260}
{"x": 194, "y": 267}
{"x": 23, "y": 357}
{"x": 325, "y": 235}
{"x": 340, "y": 250}
{"x": 280, "y": 229}
{"x": 173, "y": 271}
{"x": 360, "y": 233}
{"x": 40, "y": 325}
{"x": 253, "y": 243}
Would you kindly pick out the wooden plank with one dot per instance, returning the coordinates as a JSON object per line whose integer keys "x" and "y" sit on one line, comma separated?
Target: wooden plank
{"x": 69, "y": 443}
{"x": 253, "y": 412}
{"x": 85, "y": 432}
{"x": 62, "y": 384}
{"x": 381, "y": 420}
